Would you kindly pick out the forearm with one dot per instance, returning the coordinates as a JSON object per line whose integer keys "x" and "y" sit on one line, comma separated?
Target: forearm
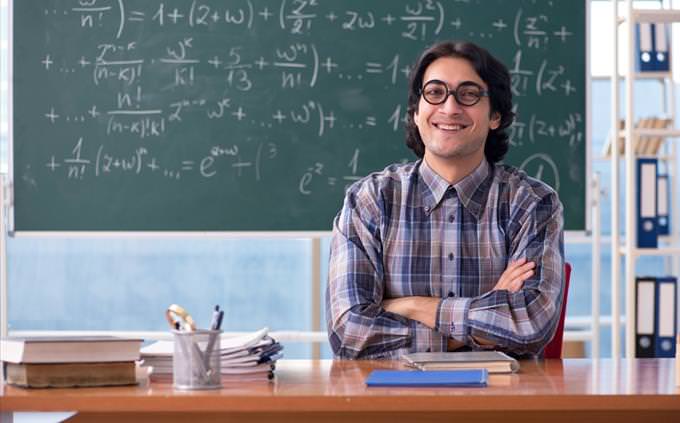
{"x": 367, "y": 332}
{"x": 421, "y": 309}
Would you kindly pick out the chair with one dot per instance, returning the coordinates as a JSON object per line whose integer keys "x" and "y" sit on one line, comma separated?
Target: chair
{"x": 554, "y": 347}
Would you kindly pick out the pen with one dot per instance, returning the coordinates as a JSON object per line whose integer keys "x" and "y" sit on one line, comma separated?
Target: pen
{"x": 215, "y": 324}
{"x": 215, "y": 316}
{"x": 219, "y": 320}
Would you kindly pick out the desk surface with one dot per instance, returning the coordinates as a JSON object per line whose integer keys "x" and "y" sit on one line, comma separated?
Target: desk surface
{"x": 327, "y": 386}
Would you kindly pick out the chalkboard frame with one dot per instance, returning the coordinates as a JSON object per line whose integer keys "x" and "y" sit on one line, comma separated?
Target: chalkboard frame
{"x": 267, "y": 233}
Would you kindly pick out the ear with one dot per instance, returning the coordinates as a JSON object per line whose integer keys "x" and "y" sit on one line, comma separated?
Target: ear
{"x": 495, "y": 121}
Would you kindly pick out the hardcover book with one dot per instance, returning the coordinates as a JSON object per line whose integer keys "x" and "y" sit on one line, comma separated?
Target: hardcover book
{"x": 66, "y": 375}
{"x": 69, "y": 349}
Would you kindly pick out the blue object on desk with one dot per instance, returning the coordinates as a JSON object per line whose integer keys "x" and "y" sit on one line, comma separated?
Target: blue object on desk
{"x": 468, "y": 377}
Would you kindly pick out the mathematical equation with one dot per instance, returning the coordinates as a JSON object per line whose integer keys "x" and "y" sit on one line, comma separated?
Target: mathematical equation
{"x": 144, "y": 123}
{"x": 84, "y": 161}
{"x": 97, "y": 161}
{"x": 414, "y": 20}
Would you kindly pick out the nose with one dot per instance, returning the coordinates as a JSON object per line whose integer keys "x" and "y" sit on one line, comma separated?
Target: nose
{"x": 451, "y": 106}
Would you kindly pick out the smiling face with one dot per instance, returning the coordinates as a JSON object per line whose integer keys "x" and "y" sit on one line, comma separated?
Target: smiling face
{"x": 454, "y": 135}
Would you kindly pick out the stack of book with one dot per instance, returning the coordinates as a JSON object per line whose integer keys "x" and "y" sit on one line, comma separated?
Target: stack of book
{"x": 60, "y": 362}
{"x": 249, "y": 357}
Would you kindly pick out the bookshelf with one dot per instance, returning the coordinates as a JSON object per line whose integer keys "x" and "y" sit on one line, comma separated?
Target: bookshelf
{"x": 626, "y": 247}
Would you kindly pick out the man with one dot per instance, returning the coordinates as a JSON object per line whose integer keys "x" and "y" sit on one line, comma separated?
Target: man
{"x": 453, "y": 251}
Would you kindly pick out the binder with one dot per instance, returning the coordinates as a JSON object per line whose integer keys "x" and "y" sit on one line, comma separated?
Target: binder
{"x": 652, "y": 47}
{"x": 645, "y": 297}
{"x": 647, "y": 236}
{"x": 661, "y": 50}
{"x": 663, "y": 206}
{"x": 665, "y": 317}
{"x": 453, "y": 378}
{"x": 643, "y": 47}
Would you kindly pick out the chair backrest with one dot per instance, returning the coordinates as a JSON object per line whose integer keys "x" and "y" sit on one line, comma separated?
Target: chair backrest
{"x": 554, "y": 347}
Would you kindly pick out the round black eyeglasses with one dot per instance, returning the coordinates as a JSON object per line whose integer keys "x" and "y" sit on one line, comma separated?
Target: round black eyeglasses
{"x": 468, "y": 93}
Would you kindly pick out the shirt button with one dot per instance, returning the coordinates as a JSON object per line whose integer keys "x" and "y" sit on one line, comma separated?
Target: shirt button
{"x": 450, "y": 256}
{"x": 451, "y": 294}
{"x": 451, "y": 218}
{"x": 427, "y": 209}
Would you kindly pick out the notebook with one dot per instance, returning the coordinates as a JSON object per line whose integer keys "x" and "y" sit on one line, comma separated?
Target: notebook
{"x": 493, "y": 361}
{"x": 462, "y": 378}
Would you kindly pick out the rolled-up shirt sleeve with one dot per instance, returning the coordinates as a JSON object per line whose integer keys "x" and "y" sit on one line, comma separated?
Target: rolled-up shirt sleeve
{"x": 525, "y": 321}
{"x": 358, "y": 326}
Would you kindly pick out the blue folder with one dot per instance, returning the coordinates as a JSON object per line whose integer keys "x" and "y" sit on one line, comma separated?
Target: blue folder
{"x": 468, "y": 377}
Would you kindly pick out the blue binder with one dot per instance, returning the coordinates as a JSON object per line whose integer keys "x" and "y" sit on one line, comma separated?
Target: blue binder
{"x": 663, "y": 205}
{"x": 647, "y": 230}
{"x": 661, "y": 43}
{"x": 645, "y": 311}
{"x": 652, "y": 50}
{"x": 665, "y": 317}
{"x": 455, "y": 378}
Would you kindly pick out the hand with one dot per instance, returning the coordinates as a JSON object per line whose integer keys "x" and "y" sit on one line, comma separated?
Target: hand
{"x": 514, "y": 275}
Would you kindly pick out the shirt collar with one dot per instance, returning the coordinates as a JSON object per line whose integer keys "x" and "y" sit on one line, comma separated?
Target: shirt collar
{"x": 472, "y": 190}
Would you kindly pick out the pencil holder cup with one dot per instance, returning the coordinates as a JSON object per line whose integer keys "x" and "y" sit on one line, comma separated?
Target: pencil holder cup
{"x": 196, "y": 359}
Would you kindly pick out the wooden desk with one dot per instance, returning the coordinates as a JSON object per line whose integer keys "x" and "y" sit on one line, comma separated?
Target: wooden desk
{"x": 327, "y": 391}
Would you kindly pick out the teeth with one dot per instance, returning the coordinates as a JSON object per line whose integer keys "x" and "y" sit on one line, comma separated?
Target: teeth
{"x": 449, "y": 127}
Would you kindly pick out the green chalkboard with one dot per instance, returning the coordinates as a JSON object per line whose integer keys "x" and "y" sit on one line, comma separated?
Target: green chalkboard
{"x": 244, "y": 115}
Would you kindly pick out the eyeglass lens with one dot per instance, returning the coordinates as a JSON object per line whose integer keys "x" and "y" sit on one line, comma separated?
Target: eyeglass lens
{"x": 468, "y": 94}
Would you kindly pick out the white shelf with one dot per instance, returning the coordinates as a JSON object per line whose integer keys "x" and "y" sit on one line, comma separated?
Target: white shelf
{"x": 660, "y": 252}
{"x": 652, "y": 75}
{"x": 652, "y": 132}
{"x": 578, "y": 335}
{"x": 627, "y": 179}
{"x": 656, "y": 16}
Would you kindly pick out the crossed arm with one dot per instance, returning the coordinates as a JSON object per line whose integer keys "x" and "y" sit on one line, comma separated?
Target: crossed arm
{"x": 424, "y": 309}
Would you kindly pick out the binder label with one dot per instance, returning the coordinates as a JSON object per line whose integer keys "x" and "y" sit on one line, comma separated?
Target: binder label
{"x": 645, "y": 312}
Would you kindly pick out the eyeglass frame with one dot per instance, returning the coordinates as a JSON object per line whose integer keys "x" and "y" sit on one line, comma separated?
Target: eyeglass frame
{"x": 454, "y": 93}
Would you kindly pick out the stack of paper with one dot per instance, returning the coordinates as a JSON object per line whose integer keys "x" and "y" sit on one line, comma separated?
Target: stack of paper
{"x": 246, "y": 357}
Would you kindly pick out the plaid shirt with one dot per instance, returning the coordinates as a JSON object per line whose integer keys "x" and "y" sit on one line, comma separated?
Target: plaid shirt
{"x": 405, "y": 231}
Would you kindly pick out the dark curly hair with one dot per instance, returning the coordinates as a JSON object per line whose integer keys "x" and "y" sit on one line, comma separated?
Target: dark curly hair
{"x": 493, "y": 73}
